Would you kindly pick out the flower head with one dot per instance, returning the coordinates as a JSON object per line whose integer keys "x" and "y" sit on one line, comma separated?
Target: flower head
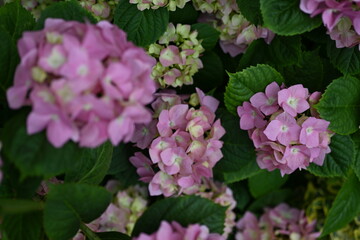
{"x": 82, "y": 84}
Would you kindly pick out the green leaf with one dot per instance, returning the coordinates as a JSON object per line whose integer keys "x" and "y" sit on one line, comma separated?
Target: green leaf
{"x": 241, "y": 194}
{"x": 239, "y": 161}
{"x": 92, "y": 166}
{"x": 250, "y": 9}
{"x": 207, "y": 34}
{"x": 309, "y": 72}
{"x": 142, "y": 27}
{"x": 23, "y": 226}
{"x": 9, "y": 59}
{"x": 19, "y": 206}
{"x": 340, "y": 105}
{"x": 15, "y": 20}
{"x": 33, "y": 154}
{"x": 70, "y": 204}
{"x": 285, "y": 51}
{"x": 356, "y": 162}
{"x": 338, "y": 162}
{"x": 67, "y": 10}
{"x": 252, "y": 57}
{"x": 347, "y": 60}
{"x": 113, "y": 236}
{"x": 185, "y": 210}
{"x": 186, "y": 15}
{"x": 266, "y": 182}
{"x": 284, "y": 17}
{"x": 12, "y": 186}
{"x": 243, "y": 85}
{"x": 345, "y": 207}
{"x": 121, "y": 168}
{"x": 270, "y": 199}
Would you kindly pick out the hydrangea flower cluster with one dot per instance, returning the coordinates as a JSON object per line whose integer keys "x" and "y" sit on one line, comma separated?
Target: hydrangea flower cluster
{"x": 174, "y": 230}
{"x": 341, "y": 18}
{"x": 84, "y": 82}
{"x": 155, "y": 4}
{"x": 284, "y": 136}
{"x": 236, "y": 33}
{"x": 187, "y": 147}
{"x": 121, "y": 215}
{"x": 178, "y": 54}
{"x": 275, "y": 223}
{"x": 101, "y": 9}
{"x": 222, "y": 195}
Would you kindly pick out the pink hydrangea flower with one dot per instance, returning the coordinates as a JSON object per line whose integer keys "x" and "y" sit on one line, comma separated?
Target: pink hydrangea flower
{"x": 284, "y": 140}
{"x": 188, "y": 147}
{"x": 340, "y": 17}
{"x": 250, "y": 117}
{"x": 85, "y": 83}
{"x": 267, "y": 103}
{"x": 143, "y": 166}
{"x": 284, "y": 129}
{"x": 276, "y": 223}
{"x": 293, "y": 99}
{"x": 310, "y": 132}
{"x": 174, "y": 231}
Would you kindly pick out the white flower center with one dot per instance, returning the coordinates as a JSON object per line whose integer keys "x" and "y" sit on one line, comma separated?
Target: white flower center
{"x": 309, "y": 130}
{"x": 284, "y": 128}
{"x": 82, "y": 70}
{"x": 56, "y": 59}
{"x": 294, "y": 150}
{"x": 292, "y": 102}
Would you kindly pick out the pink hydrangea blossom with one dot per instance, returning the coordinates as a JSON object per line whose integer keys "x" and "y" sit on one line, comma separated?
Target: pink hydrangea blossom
{"x": 174, "y": 231}
{"x": 293, "y": 99}
{"x": 267, "y": 102}
{"x": 283, "y": 128}
{"x": 250, "y": 117}
{"x": 187, "y": 147}
{"x": 85, "y": 83}
{"x": 279, "y": 222}
{"x": 284, "y": 139}
{"x": 340, "y": 17}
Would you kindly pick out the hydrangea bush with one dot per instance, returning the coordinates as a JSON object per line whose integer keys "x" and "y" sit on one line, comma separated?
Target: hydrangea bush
{"x": 193, "y": 120}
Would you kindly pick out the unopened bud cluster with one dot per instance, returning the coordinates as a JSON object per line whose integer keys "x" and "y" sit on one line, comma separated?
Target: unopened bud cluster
{"x": 171, "y": 5}
{"x": 178, "y": 54}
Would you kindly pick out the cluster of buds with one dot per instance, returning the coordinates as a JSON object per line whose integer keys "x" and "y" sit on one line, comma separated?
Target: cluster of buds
{"x": 341, "y": 18}
{"x": 171, "y": 5}
{"x": 281, "y": 222}
{"x": 178, "y": 56}
{"x": 284, "y": 137}
{"x": 101, "y": 9}
{"x": 236, "y": 33}
{"x": 121, "y": 215}
{"x": 84, "y": 82}
{"x": 222, "y": 195}
{"x": 174, "y": 230}
{"x": 186, "y": 148}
